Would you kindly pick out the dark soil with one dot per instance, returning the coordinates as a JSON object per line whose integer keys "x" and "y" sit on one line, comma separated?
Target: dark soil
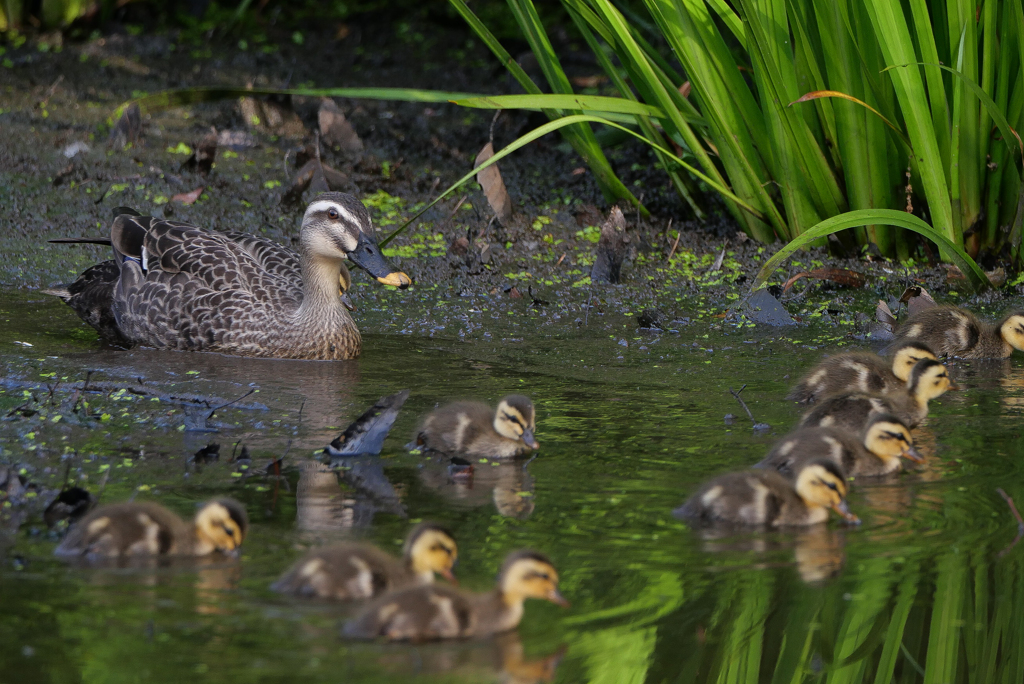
{"x": 55, "y": 93}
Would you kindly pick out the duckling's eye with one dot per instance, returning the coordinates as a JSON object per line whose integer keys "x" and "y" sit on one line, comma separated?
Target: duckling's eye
{"x": 830, "y": 485}
{"x": 512, "y": 419}
{"x": 332, "y": 213}
{"x": 441, "y": 547}
{"x": 228, "y": 530}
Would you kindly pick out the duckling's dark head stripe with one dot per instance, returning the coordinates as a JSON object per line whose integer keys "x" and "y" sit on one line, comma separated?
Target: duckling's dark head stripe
{"x": 525, "y": 554}
{"x": 236, "y": 511}
{"x": 426, "y": 526}
{"x": 920, "y": 368}
{"x": 831, "y": 467}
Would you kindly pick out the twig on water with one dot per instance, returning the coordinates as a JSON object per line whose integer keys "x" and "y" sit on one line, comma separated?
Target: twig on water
{"x": 1020, "y": 521}
{"x": 758, "y": 427}
{"x": 234, "y": 401}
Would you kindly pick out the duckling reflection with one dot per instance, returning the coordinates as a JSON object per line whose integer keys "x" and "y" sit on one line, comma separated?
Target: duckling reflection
{"x": 819, "y": 552}
{"x": 501, "y": 659}
{"x": 467, "y": 484}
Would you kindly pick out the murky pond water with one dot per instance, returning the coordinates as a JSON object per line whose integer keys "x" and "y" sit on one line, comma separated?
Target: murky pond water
{"x": 923, "y": 586}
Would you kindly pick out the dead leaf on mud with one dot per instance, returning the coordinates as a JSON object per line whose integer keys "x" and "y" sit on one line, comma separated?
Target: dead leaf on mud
{"x": 588, "y": 81}
{"x": 611, "y": 249}
{"x": 336, "y": 131}
{"x": 839, "y": 276}
{"x": 271, "y": 117}
{"x": 336, "y": 180}
{"x": 128, "y": 128}
{"x": 189, "y": 197}
{"x": 204, "y": 155}
{"x": 494, "y": 187}
{"x": 917, "y": 299}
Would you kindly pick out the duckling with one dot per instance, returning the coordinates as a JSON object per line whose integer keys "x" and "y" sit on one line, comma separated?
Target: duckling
{"x": 149, "y": 529}
{"x": 860, "y": 372}
{"x": 764, "y": 497}
{"x": 362, "y": 571}
{"x": 439, "y": 612}
{"x": 876, "y": 452}
{"x": 928, "y": 380}
{"x": 471, "y": 428}
{"x": 957, "y": 332}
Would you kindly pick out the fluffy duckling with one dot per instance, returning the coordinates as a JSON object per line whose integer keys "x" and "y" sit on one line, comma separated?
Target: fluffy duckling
{"x": 471, "y": 428}
{"x": 877, "y": 452}
{"x": 438, "y": 612}
{"x": 957, "y": 332}
{"x": 860, "y": 372}
{"x": 148, "y": 529}
{"x": 764, "y": 497}
{"x": 928, "y": 380}
{"x": 362, "y": 571}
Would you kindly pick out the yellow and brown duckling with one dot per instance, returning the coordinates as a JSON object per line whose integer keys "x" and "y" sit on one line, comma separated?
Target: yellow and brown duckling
{"x": 434, "y": 612}
{"x": 764, "y": 497}
{"x": 362, "y": 571}
{"x": 140, "y": 529}
{"x": 473, "y": 429}
{"x": 851, "y": 411}
{"x": 957, "y": 332}
{"x": 861, "y": 372}
{"x": 878, "y": 451}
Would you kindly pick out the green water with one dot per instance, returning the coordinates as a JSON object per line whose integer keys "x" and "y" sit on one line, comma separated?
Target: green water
{"x": 919, "y": 592}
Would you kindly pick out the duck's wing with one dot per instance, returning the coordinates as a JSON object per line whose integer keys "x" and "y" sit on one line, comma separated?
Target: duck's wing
{"x": 185, "y": 287}
{"x": 272, "y": 257}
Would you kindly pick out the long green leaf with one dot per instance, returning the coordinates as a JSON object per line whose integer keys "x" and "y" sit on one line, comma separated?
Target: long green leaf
{"x": 168, "y": 99}
{"x": 862, "y": 217}
{"x": 593, "y": 103}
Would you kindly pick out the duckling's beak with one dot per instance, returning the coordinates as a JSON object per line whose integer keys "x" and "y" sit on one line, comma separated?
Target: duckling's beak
{"x": 347, "y": 303}
{"x": 448, "y": 575}
{"x": 368, "y": 257}
{"x": 844, "y": 512}
{"x": 555, "y": 597}
{"x": 912, "y": 454}
{"x": 529, "y": 440}
{"x": 233, "y": 553}
{"x": 952, "y": 386}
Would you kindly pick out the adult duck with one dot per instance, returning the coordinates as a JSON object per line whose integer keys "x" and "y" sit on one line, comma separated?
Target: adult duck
{"x": 173, "y": 285}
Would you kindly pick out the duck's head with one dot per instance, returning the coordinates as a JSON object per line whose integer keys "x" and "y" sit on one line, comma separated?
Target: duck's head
{"x": 430, "y": 548}
{"x": 929, "y": 379}
{"x": 221, "y": 525}
{"x": 1012, "y": 330}
{"x": 337, "y": 226}
{"x": 888, "y": 438}
{"x": 823, "y": 484}
{"x": 906, "y": 356}
{"x": 516, "y": 419}
{"x": 529, "y": 574}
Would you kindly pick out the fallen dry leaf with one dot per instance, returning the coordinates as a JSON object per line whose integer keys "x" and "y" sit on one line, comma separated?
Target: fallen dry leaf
{"x": 611, "y": 249}
{"x": 128, "y": 128}
{"x": 588, "y": 81}
{"x": 494, "y": 187}
{"x": 917, "y": 299}
{"x": 189, "y": 197}
{"x": 883, "y": 314}
{"x": 684, "y": 89}
{"x": 336, "y": 131}
{"x": 839, "y": 276}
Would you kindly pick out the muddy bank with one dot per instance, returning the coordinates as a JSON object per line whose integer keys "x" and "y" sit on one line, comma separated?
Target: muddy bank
{"x": 61, "y": 176}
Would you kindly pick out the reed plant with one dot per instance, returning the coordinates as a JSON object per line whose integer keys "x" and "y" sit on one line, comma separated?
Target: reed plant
{"x": 810, "y": 111}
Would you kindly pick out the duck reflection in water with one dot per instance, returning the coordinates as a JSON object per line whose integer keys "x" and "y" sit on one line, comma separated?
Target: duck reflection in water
{"x": 819, "y": 553}
{"x": 467, "y": 484}
{"x": 501, "y": 659}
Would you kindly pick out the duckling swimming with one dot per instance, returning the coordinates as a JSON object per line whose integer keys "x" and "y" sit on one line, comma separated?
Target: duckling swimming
{"x": 362, "y": 571}
{"x": 957, "y": 332}
{"x": 471, "y": 428}
{"x": 438, "y": 612}
{"x": 877, "y": 452}
{"x": 860, "y": 372}
{"x": 764, "y": 497}
{"x": 148, "y": 529}
{"x": 851, "y": 411}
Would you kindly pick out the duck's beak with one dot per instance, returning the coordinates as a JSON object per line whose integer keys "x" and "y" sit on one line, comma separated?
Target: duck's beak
{"x": 529, "y": 440}
{"x": 912, "y": 454}
{"x": 368, "y": 257}
{"x": 448, "y": 575}
{"x": 557, "y": 598}
{"x": 844, "y": 512}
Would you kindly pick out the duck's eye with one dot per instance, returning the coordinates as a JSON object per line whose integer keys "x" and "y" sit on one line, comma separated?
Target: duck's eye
{"x": 333, "y": 214}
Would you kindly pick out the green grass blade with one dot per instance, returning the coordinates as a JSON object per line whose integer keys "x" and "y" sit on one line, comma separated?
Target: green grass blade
{"x": 898, "y": 48}
{"x": 890, "y": 217}
{"x": 593, "y": 103}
